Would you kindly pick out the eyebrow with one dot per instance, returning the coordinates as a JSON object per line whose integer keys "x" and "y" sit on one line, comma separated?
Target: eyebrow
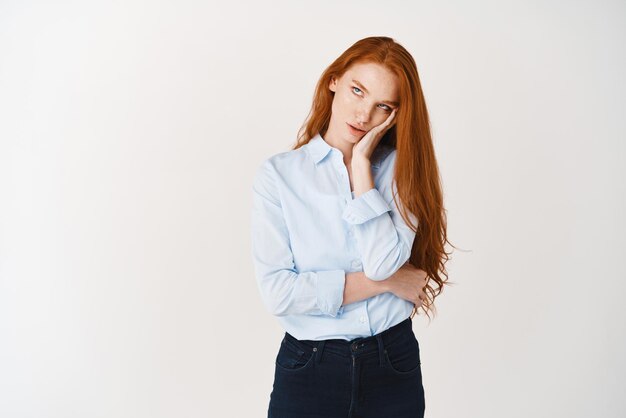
{"x": 362, "y": 87}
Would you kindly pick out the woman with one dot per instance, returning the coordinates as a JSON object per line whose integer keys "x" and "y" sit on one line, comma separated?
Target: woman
{"x": 334, "y": 226}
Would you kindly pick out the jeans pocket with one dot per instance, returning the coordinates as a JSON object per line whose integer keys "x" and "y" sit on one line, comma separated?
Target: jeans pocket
{"x": 293, "y": 356}
{"x": 403, "y": 355}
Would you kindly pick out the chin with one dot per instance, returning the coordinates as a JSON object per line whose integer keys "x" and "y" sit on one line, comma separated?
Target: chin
{"x": 352, "y": 139}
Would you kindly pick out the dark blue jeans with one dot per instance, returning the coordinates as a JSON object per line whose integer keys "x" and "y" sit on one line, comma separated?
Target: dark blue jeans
{"x": 373, "y": 377}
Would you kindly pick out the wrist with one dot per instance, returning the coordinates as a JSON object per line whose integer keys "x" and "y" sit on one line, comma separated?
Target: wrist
{"x": 383, "y": 286}
{"x": 360, "y": 163}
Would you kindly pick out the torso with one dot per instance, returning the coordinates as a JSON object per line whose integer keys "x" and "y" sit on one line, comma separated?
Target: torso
{"x": 350, "y": 180}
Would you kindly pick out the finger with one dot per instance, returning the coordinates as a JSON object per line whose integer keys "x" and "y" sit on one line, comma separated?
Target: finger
{"x": 392, "y": 116}
{"x": 390, "y": 119}
{"x": 387, "y": 123}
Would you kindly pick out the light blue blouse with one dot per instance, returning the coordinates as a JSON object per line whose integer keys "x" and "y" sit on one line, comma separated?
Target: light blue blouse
{"x": 308, "y": 231}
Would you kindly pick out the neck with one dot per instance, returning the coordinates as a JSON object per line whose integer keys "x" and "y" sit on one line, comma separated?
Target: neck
{"x": 341, "y": 144}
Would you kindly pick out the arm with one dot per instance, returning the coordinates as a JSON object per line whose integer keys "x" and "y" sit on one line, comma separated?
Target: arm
{"x": 283, "y": 290}
{"x": 384, "y": 240}
{"x": 359, "y": 287}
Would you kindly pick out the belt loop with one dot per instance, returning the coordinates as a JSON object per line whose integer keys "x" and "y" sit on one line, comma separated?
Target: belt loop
{"x": 381, "y": 349}
{"x": 319, "y": 349}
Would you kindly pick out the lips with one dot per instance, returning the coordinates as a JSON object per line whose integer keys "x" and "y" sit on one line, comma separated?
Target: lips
{"x": 355, "y": 130}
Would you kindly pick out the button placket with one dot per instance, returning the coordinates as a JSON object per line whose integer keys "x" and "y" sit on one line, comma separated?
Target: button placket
{"x": 342, "y": 175}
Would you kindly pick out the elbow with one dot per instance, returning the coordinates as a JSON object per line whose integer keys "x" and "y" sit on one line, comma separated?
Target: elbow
{"x": 276, "y": 306}
{"x": 275, "y": 291}
{"x": 377, "y": 270}
{"x": 378, "y": 274}
{"x": 279, "y": 311}
{"x": 388, "y": 265}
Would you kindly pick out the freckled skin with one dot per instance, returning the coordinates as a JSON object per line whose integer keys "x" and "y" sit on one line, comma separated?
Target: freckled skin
{"x": 362, "y": 108}
{"x": 355, "y": 106}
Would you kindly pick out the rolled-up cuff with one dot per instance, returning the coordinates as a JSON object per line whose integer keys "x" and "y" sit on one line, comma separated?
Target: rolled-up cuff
{"x": 365, "y": 207}
{"x": 330, "y": 287}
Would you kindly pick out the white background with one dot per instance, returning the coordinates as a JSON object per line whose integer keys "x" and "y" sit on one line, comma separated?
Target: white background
{"x": 129, "y": 134}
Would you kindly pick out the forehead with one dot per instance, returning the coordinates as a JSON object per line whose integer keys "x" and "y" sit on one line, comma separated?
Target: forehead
{"x": 379, "y": 81}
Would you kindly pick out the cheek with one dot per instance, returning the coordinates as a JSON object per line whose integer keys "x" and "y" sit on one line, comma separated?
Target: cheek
{"x": 339, "y": 105}
{"x": 344, "y": 103}
{"x": 380, "y": 118}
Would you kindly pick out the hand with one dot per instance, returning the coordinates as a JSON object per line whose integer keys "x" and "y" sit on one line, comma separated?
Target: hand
{"x": 408, "y": 283}
{"x": 363, "y": 149}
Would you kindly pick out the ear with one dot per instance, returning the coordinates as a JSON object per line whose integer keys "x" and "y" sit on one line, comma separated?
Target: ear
{"x": 332, "y": 85}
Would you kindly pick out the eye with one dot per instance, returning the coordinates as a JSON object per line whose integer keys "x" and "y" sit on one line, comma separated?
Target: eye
{"x": 386, "y": 108}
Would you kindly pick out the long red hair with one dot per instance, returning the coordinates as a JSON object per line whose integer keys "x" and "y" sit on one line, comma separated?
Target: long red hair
{"x": 416, "y": 171}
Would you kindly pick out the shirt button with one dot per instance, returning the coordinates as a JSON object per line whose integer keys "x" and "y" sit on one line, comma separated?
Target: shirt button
{"x": 362, "y": 319}
{"x": 356, "y": 264}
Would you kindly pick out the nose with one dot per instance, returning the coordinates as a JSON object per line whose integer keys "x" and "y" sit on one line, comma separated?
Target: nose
{"x": 363, "y": 115}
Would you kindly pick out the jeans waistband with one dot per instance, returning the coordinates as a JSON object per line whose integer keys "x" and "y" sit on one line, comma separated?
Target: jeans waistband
{"x": 358, "y": 346}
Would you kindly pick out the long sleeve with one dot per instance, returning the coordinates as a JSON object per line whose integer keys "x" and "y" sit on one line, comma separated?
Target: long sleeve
{"x": 383, "y": 239}
{"x": 285, "y": 291}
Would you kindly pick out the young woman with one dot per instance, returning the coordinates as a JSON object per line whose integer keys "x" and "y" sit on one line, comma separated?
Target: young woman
{"x": 348, "y": 235}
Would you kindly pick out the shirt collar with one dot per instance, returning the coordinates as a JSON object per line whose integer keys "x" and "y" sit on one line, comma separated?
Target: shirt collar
{"x": 318, "y": 149}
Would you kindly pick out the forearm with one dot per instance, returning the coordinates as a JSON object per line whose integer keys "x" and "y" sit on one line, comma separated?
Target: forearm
{"x": 383, "y": 239}
{"x": 362, "y": 178}
{"x": 359, "y": 287}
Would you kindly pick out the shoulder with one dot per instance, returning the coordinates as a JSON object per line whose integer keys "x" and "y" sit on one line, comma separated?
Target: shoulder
{"x": 279, "y": 165}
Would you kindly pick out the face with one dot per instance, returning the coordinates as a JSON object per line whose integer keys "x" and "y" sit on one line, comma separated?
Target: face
{"x": 364, "y": 97}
